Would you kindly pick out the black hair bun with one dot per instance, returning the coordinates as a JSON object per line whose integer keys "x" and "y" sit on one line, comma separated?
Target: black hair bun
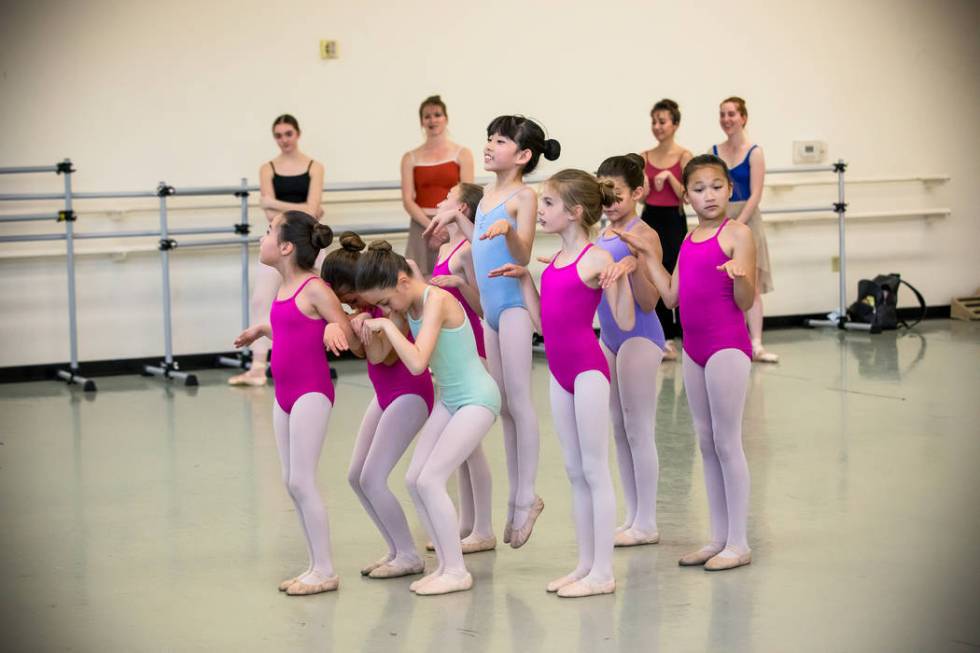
{"x": 322, "y": 236}
{"x": 552, "y": 149}
{"x": 351, "y": 242}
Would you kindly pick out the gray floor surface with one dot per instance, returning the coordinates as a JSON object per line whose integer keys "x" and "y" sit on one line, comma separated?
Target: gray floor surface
{"x": 151, "y": 517}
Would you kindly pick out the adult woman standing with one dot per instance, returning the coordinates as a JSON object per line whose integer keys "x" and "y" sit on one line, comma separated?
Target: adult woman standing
{"x": 292, "y": 181}
{"x": 428, "y": 173}
{"x": 748, "y": 171}
{"x": 662, "y": 210}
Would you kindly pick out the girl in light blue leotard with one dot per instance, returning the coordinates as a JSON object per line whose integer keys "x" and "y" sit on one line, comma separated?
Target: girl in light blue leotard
{"x": 503, "y": 233}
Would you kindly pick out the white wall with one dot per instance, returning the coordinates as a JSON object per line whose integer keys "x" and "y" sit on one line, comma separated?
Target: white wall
{"x": 138, "y": 92}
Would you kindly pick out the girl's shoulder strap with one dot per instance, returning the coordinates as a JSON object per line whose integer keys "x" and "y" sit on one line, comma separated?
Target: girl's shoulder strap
{"x": 309, "y": 166}
{"x": 456, "y": 249}
{"x": 303, "y": 285}
{"x": 273, "y": 166}
{"x": 584, "y": 250}
{"x": 714, "y": 150}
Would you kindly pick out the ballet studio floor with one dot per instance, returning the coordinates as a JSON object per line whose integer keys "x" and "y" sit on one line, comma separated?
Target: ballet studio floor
{"x": 151, "y": 517}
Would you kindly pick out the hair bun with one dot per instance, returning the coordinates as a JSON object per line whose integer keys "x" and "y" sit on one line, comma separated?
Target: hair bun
{"x": 636, "y": 159}
{"x": 380, "y": 246}
{"x": 607, "y": 192}
{"x": 322, "y": 236}
{"x": 552, "y": 149}
{"x": 351, "y": 242}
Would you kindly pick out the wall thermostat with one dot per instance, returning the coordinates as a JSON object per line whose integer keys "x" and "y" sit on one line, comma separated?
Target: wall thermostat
{"x": 809, "y": 151}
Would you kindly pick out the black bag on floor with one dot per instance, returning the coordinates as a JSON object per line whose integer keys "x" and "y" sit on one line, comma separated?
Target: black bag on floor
{"x": 877, "y": 303}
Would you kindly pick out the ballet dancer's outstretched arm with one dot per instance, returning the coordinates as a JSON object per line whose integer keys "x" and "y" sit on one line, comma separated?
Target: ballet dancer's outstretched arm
{"x": 741, "y": 264}
{"x": 651, "y": 254}
{"x": 644, "y": 290}
{"x": 444, "y": 217}
{"x": 614, "y": 279}
{"x": 529, "y": 291}
{"x": 519, "y": 240}
{"x": 435, "y": 312}
{"x": 251, "y": 334}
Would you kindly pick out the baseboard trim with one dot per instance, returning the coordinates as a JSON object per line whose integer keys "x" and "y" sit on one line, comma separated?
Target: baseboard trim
{"x": 191, "y": 362}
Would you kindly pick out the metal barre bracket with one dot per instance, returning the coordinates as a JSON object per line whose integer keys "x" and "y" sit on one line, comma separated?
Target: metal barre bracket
{"x": 167, "y": 244}
{"x": 840, "y": 207}
{"x": 241, "y": 193}
{"x": 840, "y": 166}
{"x": 67, "y": 216}
{"x": 163, "y": 190}
{"x": 242, "y": 229}
{"x": 65, "y": 167}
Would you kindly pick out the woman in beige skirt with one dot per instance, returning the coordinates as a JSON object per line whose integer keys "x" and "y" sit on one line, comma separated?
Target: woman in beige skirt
{"x": 748, "y": 170}
{"x": 428, "y": 173}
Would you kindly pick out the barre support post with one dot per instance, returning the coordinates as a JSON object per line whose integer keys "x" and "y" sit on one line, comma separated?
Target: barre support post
{"x": 68, "y": 217}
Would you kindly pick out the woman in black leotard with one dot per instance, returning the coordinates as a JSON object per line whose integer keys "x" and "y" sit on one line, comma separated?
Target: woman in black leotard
{"x": 292, "y": 181}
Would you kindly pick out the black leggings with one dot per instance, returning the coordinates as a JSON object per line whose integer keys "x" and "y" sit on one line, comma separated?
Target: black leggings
{"x": 671, "y": 225}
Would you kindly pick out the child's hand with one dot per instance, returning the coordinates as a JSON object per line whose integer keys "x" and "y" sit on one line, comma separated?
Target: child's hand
{"x": 447, "y": 280}
{"x": 376, "y": 324}
{"x": 440, "y": 220}
{"x": 498, "y": 228}
{"x": 334, "y": 339}
{"x": 509, "y": 270}
{"x": 357, "y": 322}
{"x": 437, "y": 237}
{"x": 635, "y": 244}
{"x": 248, "y": 336}
{"x": 733, "y": 269}
{"x": 545, "y": 259}
{"x": 614, "y": 271}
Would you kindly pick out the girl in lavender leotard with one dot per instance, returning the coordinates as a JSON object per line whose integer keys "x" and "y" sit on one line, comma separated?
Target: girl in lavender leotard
{"x": 713, "y": 283}
{"x": 571, "y": 287}
{"x": 634, "y": 358}
{"x": 305, "y": 317}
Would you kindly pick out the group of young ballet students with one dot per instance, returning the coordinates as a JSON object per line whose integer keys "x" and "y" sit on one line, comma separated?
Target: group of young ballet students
{"x": 419, "y": 333}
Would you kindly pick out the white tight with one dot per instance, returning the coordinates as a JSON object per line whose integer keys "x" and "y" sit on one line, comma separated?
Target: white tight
{"x": 382, "y": 439}
{"x": 475, "y": 496}
{"x": 299, "y": 438}
{"x": 509, "y": 361}
{"x": 633, "y": 404}
{"x": 582, "y": 423}
{"x": 446, "y": 440}
{"x": 716, "y": 395}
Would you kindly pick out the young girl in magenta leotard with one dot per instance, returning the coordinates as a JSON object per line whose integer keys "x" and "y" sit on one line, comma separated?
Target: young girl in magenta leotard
{"x": 401, "y": 404}
{"x": 504, "y": 233}
{"x": 571, "y": 288}
{"x": 713, "y": 283}
{"x": 305, "y": 317}
{"x": 454, "y": 273}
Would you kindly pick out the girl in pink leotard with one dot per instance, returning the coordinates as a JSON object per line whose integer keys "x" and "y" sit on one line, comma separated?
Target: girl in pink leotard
{"x": 571, "y": 288}
{"x": 304, "y": 318}
{"x": 714, "y": 283}
{"x": 401, "y": 404}
{"x": 454, "y": 273}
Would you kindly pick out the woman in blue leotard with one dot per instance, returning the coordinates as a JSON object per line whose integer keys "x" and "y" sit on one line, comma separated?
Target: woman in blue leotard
{"x": 504, "y": 233}
{"x": 748, "y": 171}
